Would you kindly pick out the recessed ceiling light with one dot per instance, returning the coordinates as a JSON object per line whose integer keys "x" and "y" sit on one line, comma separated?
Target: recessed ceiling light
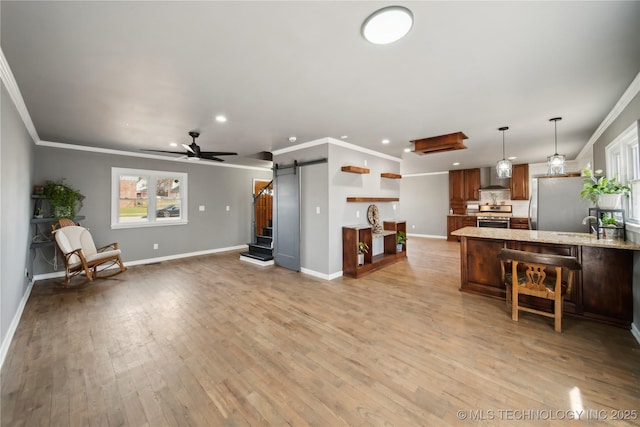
{"x": 221, "y": 119}
{"x": 387, "y": 25}
{"x": 456, "y": 164}
{"x": 512, "y": 158}
{"x": 385, "y": 141}
{"x": 344, "y": 137}
{"x": 407, "y": 150}
{"x": 292, "y": 139}
{"x": 173, "y": 144}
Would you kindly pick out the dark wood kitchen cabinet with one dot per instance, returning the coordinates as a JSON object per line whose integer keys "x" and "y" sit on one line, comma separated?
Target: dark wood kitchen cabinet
{"x": 472, "y": 184}
{"x": 464, "y": 185}
{"x": 520, "y": 223}
{"x": 455, "y": 222}
{"x": 520, "y": 182}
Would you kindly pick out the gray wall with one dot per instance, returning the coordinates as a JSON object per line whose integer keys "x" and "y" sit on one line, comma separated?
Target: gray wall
{"x": 16, "y": 165}
{"x": 425, "y": 204}
{"x": 213, "y": 186}
{"x": 629, "y": 115}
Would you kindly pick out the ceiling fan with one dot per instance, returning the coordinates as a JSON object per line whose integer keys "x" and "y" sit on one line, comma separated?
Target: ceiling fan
{"x": 193, "y": 151}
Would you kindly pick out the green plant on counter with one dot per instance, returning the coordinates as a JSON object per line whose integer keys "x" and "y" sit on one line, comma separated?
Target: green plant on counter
{"x": 363, "y": 248}
{"x": 401, "y": 238}
{"x": 594, "y": 187}
{"x": 64, "y": 200}
{"x": 608, "y": 219}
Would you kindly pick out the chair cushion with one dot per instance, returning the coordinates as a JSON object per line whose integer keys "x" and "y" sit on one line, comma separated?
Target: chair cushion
{"x": 103, "y": 255}
{"x": 75, "y": 237}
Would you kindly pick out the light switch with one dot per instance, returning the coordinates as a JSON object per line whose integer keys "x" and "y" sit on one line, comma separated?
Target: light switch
{"x": 201, "y": 208}
{"x": 228, "y": 208}
{"x": 317, "y": 209}
{"x": 394, "y": 206}
{"x": 357, "y": 214}
{"x": 365, "y": 163}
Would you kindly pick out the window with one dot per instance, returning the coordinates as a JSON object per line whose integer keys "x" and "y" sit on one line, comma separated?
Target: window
{"x": 623, "y": 161}
{"x": 144, "y": 198}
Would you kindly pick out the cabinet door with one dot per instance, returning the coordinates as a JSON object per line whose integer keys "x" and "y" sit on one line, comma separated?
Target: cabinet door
{"x": 520, "y": 182}
{"x": 472, "y": 184}
{"x": 454, "y": 223}
{"x": 520, "y": 223}
{"x": 456, "y": 191}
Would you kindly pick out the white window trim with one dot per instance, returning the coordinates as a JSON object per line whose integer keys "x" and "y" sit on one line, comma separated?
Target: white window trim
{"x": 620, "y": 146}
{"x": 116, "y": 173}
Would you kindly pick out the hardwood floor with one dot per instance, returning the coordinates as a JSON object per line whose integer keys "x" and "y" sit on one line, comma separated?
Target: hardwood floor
{"x": 213, "y": 341}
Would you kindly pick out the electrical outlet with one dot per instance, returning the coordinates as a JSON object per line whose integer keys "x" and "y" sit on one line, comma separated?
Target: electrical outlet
{"x": 155, "y": 246}
{"x": 357, "y": 214}
{"x": 228, "y": 208}
{"x": 26, "y": 273}
{"x": 201, "y": 208}
{"x": 317, "y": 209}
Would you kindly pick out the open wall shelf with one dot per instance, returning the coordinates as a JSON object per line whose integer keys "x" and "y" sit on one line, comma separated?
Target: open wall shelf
{"x": 355, "y": 169}
{"x": 390, "y": 175}
{"x": 373, "y": 199}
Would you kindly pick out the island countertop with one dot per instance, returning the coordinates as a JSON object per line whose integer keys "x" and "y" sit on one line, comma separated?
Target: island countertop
{"x": 539, "y": 236}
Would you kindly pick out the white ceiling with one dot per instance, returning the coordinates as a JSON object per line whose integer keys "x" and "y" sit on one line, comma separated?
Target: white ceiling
{"x": 139, "y": 75}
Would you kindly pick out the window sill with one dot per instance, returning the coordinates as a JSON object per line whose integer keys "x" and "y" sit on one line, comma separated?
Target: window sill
{"x": 149, "y": 224}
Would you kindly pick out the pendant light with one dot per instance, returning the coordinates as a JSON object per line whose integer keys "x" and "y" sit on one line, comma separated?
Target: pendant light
{"x": 503, "y": 168}
{"x": 556, "y": 162}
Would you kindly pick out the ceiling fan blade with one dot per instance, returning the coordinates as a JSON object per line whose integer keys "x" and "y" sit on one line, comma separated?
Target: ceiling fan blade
{"x": 210, "y": 157}
{"x": 163, "y": 151}
{"x": 188, "y": 148}
{"x": 217, "y": 153}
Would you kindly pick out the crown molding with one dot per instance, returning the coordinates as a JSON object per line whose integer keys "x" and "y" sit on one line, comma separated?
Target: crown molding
{"x": 332, "y": 141}
{"x": 143, "y": 155}
{"x": 14, "y": 92}
{"x": 623, "y": 102}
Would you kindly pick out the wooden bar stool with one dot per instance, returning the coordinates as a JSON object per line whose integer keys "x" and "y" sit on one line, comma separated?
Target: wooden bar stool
{"x": 533, "y": 280}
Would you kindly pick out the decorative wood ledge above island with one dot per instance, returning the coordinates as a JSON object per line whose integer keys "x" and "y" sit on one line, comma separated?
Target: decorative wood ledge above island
{"x": 602, "y": 290}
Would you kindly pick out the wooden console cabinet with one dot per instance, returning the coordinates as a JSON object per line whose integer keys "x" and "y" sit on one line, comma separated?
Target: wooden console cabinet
{"x": 364, "y": 233}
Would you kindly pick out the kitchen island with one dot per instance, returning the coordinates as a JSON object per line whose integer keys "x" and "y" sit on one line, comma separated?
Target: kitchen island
{"x": 602, "y": 290}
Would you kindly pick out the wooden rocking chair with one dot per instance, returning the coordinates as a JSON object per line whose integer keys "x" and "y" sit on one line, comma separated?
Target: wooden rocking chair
{"x": 80, "y": 254}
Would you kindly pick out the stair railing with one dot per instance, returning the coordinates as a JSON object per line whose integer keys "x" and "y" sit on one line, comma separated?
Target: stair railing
{"x": 262, "y": 210}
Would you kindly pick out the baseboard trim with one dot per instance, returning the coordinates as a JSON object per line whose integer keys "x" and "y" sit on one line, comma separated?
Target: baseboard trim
{"x": 321, "y": 275}
{"x": 428, "y": 236}
{"x": 635, "y": 332}
{"x": 57, "y": 274}
{"x": 6, "y": 343}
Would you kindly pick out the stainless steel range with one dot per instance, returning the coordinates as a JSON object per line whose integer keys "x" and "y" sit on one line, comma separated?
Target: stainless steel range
{"x": 494, "y": 216}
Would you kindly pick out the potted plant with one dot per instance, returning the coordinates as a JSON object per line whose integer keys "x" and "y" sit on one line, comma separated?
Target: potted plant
{"x": 63, "y": 199}
{"x": 363, "y": 248}
{"x": 401, "y": 239}
{"x": 604, "y": 192}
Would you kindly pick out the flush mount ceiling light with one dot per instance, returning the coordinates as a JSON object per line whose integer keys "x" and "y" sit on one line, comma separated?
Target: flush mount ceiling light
{"x": 556, "y": 162}
{"x": 385, "y": 141}
{"x": 504, "y": 166}
{"x": 221, "y": 119}
{"x": 387, "y": 25}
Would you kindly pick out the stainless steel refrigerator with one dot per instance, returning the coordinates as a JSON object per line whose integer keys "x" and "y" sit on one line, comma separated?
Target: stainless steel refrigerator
{"x": 555, "y": 205}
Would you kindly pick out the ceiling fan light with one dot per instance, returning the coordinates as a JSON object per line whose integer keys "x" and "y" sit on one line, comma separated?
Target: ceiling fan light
{"x": 387, "y": 25}
{"x": 188, "y": 148}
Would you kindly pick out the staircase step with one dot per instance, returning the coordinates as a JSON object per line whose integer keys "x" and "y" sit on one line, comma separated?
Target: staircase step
{"x": 265, "y": 240}
{"x": 267, "y": 231}
{"x": 261, "y": 257}
{"x": 260, "y": 249}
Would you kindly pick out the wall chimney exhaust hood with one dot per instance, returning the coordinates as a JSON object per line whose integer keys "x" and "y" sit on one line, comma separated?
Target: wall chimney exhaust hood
{"x": 489, "y": 180}
{"x": 439, "y": 144}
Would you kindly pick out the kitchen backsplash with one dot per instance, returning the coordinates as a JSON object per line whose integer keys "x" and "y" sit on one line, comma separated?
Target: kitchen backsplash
{"x": 520, "y": 207}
